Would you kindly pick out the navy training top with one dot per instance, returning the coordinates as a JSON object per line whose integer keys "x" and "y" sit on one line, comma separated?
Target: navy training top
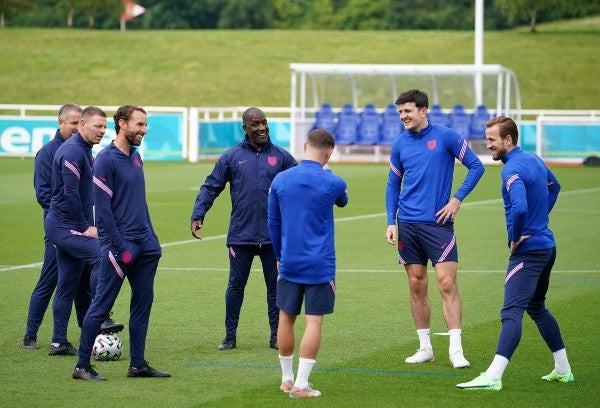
{"x": 249, "y": 174}
{"x": 120, "y": 197}
{"x": 72, "y": 202}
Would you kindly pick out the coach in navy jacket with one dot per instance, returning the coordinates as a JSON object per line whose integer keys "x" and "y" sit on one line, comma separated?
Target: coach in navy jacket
{"x": 249, "y": 169}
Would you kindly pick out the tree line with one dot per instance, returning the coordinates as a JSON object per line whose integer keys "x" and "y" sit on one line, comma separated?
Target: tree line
{"x": 292, "y": 14}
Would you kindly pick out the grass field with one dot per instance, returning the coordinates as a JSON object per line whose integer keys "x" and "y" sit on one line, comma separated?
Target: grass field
{"x": 361, "y": 363}
{"x": 555, "y": 67}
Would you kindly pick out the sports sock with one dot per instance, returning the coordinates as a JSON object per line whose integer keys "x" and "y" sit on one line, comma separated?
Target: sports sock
{"x": 455, "y": 341}
{"x": 305, "y": 366}
{"x": 561, "y": 362}
{"x": 496, "y": 369}
{"x": 424, "y": 339}
{"x": 287, "y": 370}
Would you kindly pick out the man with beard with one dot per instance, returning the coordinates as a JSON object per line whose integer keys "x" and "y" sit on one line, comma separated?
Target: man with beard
{"x": 249, "y": 169}
{"x": 529, "y": 192}
{"x": 129, "y": 245}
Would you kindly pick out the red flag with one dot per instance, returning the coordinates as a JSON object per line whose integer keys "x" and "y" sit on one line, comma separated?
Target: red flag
{"x": 132, "y": 10}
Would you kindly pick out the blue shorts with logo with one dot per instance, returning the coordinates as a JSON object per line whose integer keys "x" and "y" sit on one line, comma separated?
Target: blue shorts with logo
{"x": 320, "y": 298}
{"x": 418, "y": 243}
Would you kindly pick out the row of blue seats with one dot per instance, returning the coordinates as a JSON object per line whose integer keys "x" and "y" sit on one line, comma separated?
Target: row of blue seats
{"x": 371, "y": 128}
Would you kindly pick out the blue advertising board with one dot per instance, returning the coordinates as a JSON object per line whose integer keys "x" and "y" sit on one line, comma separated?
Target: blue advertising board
{"x": 25, "y": 136}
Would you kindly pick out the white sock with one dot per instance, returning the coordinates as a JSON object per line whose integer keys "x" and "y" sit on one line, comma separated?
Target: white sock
{"x": 287, "y": 369}
{"x": 455, "y": 341}
{"x": 424, "y": 339}
{"x": 561, "y": 362}
{"x": 496, "y": 369}
{"x": 305, "y": 366}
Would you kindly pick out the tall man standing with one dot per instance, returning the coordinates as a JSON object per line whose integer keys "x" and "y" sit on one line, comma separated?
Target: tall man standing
{"x": 418, "y": 198}
{"x": 70, "y": 225}
{"x": 301, "y": 226}
{"x": 529, "y": 192}
{"x": 68, "y": 121}
{"x": 249, "y": 169}
{"x": 129, "y": 245}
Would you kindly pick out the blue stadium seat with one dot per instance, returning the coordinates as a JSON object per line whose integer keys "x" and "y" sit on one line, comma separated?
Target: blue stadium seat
{"x": 346, "y": 131}
{"x": 325, "y": 118}
{"x": 460, "y": 121}
{"x": 435, "y": 116}
{"x": 478, "y": 121}
{"x": 391, "y": 125}
{"x": 368, "y": 128}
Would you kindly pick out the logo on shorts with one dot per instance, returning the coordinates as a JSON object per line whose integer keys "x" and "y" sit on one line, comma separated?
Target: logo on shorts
{"x": 431, "y": 144}
{"x": 400, "y": 245}
{"x": 272, "y": 160}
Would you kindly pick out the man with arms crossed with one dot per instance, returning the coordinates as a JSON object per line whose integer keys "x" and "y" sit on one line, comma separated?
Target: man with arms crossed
{"x": 300, "y": 220}
{"x": 529, "y": 192}
{"x": 418, "y": 197}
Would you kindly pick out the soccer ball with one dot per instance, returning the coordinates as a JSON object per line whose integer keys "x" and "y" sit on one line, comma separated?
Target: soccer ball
{"x": 107, "y": 347}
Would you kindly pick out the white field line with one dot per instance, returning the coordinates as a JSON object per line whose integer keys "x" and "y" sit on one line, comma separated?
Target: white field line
{"x": 343, "y": 219}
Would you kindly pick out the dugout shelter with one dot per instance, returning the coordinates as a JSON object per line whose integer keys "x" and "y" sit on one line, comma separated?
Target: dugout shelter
{"x": 313, "y": 84}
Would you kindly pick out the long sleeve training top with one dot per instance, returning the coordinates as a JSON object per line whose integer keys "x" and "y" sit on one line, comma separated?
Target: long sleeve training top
{"x": 529, "y": 191}
{"x": 421, "y": 172}
{"x": 72, "y": 202}
{"x": 301, "y": 221}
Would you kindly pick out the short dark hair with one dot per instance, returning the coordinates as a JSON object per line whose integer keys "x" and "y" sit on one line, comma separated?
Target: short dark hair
{"x": 321, "y": 139}
{"x": 124, "y": 112}
{"x": 92, "y": 111}
{"x": 414, "y": 95}
{"x": 506, "y": 126}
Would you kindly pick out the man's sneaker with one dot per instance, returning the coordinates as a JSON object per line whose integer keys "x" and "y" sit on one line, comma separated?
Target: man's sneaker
{"x": 554, "y": 376}
{"x": 228, "y": 343}
{"x": 87, "y": 373}
{"x": 296, "y": 392}
{"x": 146, "y": 371}
{"x": 109, "y": 326}
{"x": 458, "y": 360}
{"x": 65, "y": 349}
{"x": 273, "y": 342}
{"x": 481, "y": 383}
{"x": 30, "y": 342}
{"x": 287, "y": 386}
{"x": 421, "y": 356}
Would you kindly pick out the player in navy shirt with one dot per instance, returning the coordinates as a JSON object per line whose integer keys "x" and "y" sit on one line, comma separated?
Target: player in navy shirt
{"x": 249, "y": 169}
{"x": 418, "y": 197}
{"x": 69, "y": 224}
{"x": 300, "y": 218}
{"x": 129, "y": 245}
{"x": 529, "y": 192}
{"x": 68, "y": 121}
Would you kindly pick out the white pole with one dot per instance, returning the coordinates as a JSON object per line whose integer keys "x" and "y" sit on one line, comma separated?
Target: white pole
{"x": 478, "y": 49}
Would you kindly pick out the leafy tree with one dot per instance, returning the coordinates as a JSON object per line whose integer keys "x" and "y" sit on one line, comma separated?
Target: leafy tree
{"x": 5, "y": 5}
{"x": 248, "y": 14}
{"x": 364, "y": 15}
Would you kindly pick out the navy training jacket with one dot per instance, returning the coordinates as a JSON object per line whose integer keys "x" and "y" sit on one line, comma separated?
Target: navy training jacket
{"x": 249, "y": 174}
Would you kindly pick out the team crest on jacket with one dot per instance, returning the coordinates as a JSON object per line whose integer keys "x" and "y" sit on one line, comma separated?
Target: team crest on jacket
{"x": 137, "y": 161}
{"x": 272, "y": 160}
{"x": 431, "y": 144}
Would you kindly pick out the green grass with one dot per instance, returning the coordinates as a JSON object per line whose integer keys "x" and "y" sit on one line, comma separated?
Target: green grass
{"x": 555, "y": 66}
{"x": 361, "y": 363}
